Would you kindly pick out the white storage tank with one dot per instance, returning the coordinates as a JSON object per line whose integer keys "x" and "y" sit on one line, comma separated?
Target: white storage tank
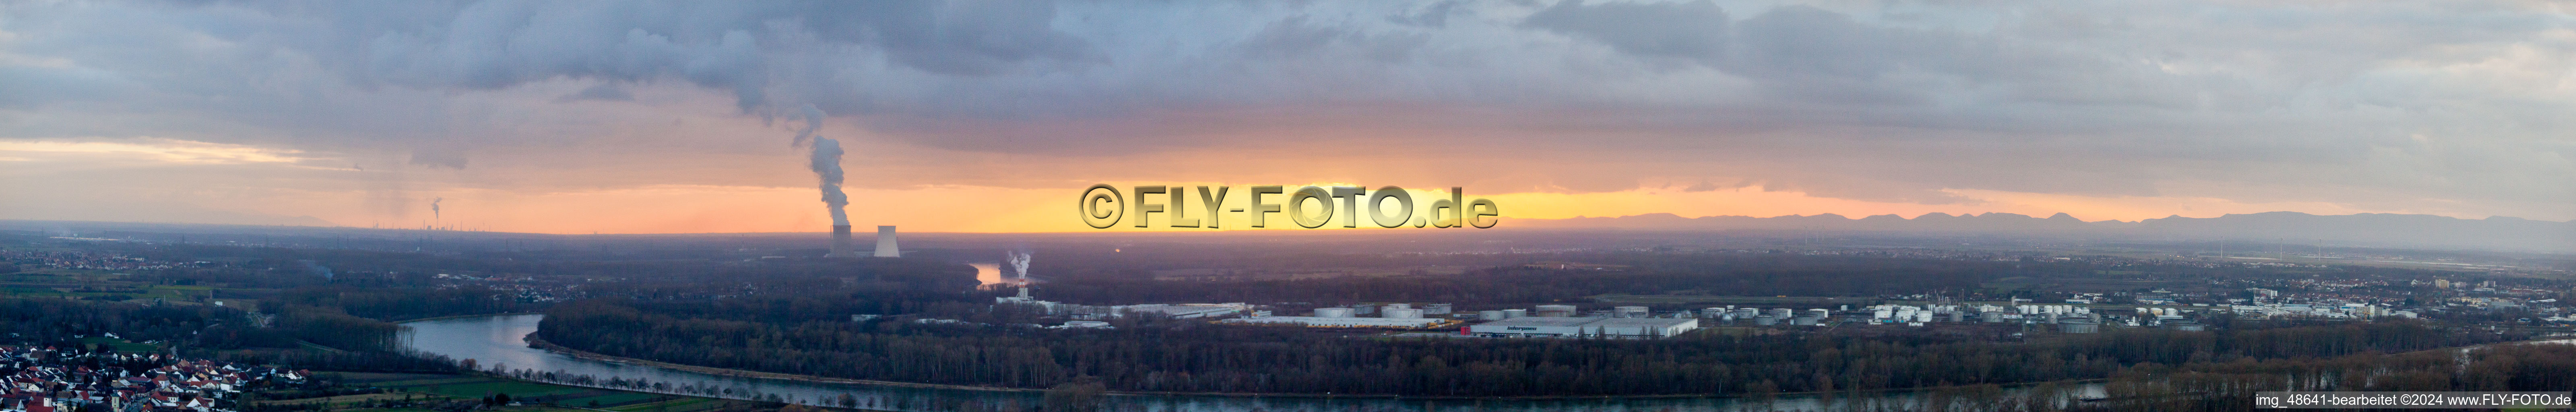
{"x": 1436, "y": 309}
{"x": 1490, "y": 315}
{"x": 1558, "y": 311}
{"x": 1333, "y": 312}
{"x": 1399, "y": 306}
{"x": 1514, "y": 313}
{"x": 1402, "y": 313}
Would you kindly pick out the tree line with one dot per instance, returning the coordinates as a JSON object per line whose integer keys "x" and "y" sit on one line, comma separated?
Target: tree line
{"x": 220, "y": 332}
{"x": 1197, "y": 357}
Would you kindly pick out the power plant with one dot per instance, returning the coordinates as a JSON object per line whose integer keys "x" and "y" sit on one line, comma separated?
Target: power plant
{"x": 840, "y": 241}
{"x": 885, "y": 241}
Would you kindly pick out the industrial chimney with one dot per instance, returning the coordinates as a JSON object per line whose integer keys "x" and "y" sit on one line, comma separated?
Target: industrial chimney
{"x": 885, "y": 242}
{"x": 841, "y": 241}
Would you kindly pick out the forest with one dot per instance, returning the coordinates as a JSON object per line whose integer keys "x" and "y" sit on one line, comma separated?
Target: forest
{"x": 218, "y": 332}
{"x": 1196, "y": 357}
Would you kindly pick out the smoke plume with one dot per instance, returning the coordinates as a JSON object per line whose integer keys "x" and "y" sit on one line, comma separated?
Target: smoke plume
{"x": 826, "y": 162}
{"x": 813, "y": 122}
{"x": 1019, "y": 262}
{"x": 433, "y": 207}
{"x": 317, "y": 269}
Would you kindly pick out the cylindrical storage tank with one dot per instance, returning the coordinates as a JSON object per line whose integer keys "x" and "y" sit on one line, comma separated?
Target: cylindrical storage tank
{"x": 1436, "y": 309}
{"x": 1363, "y": 309}
{"x": 1514, "y": 313}
{"x": 1490, "y": 315}
{"x": 1399, "y": 306}
{"x": 1561, "y": 311}
{"x": 1712, "y": 313}
{"x": 1766, "y": 320}
{"x": 1402, "y": 313}
{"x": 1333, "y": 312}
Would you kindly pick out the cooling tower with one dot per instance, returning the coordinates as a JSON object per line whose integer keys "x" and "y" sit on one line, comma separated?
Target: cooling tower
{"x": 885, "y": 242}
{"x": 841, "y": 241}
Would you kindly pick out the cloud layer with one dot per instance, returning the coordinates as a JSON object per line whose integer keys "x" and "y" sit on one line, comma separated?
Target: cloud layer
{"x": 2452, "y": 108}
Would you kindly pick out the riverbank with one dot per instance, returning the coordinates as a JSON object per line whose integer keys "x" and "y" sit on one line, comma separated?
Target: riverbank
{"x": 541, "y": 343}
{"x": 498, "y": 340}
{"x": 398, "y": 322}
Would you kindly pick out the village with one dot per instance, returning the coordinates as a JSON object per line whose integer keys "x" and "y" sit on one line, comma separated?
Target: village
{"x": 52, "y": 379}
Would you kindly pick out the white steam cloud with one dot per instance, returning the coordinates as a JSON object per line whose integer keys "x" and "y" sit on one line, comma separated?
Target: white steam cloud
{"x": 1019, "y": 262}
{"x": 826, "y": 162}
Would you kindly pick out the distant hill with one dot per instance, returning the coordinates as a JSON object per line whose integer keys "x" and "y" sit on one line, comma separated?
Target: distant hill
{"x": 2367, "y": 229}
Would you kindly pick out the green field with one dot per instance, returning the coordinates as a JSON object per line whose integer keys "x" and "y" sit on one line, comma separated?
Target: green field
{"x": 83, "y": 283}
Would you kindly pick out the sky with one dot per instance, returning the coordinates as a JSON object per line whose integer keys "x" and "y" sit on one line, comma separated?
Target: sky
{"x": 988, "y": 116}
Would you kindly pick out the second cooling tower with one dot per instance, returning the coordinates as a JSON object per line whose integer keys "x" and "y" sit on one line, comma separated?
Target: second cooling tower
{"x": 885, "y": 243}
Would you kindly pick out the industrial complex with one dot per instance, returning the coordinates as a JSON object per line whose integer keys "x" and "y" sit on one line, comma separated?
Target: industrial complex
{"x": 1572, "y": 321}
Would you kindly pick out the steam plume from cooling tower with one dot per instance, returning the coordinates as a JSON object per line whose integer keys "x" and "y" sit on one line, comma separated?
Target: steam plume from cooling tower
{"x": 826, "y": 162}
{"x": 827, "y": 166}
{"x": 813, "y": 122}
{"x": 1019, "y": 262}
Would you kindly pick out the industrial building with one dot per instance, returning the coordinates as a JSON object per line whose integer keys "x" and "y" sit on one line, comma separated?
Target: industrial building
{"x": 1343, "y": 322}
{"x": 1188, "y": 311}
{"x": 1552, "y": 327}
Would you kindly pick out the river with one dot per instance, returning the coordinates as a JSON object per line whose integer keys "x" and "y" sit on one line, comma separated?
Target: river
{"x": 495, "y": 340}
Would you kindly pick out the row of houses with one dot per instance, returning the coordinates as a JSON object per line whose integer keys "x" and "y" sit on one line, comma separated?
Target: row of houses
{"x": 49, "y": 379}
